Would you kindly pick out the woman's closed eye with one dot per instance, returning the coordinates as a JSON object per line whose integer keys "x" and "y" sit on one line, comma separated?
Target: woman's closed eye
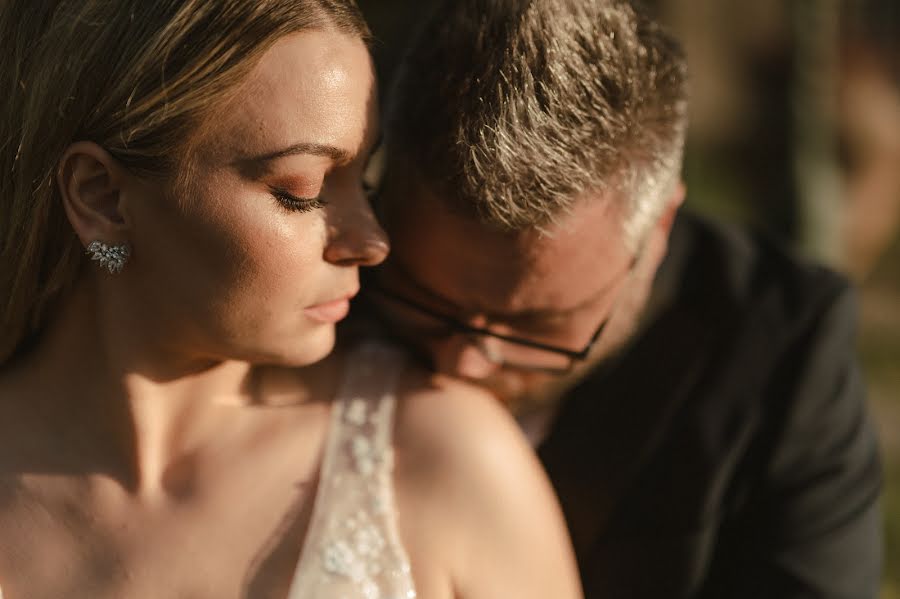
{"x": 292, "y": 203}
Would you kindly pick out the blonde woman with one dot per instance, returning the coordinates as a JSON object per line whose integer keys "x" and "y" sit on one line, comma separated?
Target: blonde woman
{"x": 182, "y": 222}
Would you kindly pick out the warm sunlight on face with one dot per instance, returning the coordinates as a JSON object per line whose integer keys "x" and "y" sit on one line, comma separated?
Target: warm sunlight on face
{"x": 258, "y": 261}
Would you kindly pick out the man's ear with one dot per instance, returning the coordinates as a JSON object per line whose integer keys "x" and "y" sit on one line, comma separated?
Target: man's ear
{"x": 673, "y": 203}
{"x": 90, "y": 183}
{"x": 659, "y": 235}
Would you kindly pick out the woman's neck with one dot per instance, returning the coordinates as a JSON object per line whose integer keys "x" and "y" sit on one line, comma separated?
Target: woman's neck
{"x": 132, "y": 407}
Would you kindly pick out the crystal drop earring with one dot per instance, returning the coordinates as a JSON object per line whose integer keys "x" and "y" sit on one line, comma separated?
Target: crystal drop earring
{"x": 111, "y": 257}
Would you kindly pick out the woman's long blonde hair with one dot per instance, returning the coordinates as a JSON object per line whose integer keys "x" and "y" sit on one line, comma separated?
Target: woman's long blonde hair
{"x": 137, "y": 77}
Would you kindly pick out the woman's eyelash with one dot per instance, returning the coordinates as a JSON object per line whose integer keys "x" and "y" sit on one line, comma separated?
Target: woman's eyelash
{"x": 292, "y": 203}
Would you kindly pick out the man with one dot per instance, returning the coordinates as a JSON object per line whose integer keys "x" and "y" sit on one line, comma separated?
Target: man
{"x": 691, "y": 390}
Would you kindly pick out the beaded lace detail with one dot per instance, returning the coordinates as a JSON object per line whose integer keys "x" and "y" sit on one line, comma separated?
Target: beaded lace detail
{"x": 352, "y": 549}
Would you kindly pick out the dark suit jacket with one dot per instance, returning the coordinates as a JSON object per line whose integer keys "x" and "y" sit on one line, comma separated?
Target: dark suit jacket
{"x": 726, "y": 452}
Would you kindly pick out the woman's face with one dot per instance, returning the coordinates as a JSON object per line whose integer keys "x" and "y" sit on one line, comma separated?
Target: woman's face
{"x": 258, "y": 260}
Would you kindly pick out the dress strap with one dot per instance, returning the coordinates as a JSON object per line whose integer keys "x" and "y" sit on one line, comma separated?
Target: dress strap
{"x": 353, "y": 548}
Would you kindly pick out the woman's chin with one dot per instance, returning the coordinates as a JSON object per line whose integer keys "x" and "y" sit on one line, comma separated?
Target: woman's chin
{"x": 285, "y": 349}
{"x": 309, "y": 348}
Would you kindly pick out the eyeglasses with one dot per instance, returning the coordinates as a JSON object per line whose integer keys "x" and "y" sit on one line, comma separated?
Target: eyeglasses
{"x": 509, "y": 351}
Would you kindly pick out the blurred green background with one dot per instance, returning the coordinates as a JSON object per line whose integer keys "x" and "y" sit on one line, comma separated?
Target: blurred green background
{"x": 795, "y": 129}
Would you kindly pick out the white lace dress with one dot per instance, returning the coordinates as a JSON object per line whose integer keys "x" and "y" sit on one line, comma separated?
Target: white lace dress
{"x": 352, "y": 548}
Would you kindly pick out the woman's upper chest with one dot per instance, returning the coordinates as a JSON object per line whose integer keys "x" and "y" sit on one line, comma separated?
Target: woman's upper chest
{"x": 227, "y": 524}
{"x": 65, "y": 545}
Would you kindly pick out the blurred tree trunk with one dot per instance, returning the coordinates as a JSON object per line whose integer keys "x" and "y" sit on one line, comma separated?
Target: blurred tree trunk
{"x": 815, "y": 112}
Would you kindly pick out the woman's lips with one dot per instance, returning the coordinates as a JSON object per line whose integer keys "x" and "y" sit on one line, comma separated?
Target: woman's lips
{"x": 329, "y": 312}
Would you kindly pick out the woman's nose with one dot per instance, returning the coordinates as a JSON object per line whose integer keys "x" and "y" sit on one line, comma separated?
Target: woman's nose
{"x": 354, "y": 236}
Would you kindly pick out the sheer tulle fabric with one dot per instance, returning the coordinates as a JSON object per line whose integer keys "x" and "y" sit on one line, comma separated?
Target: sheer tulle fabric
{"x": 352, "y": 548}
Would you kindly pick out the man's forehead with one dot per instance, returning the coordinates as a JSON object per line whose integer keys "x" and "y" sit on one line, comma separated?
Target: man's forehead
{"x": 477, "y": 267}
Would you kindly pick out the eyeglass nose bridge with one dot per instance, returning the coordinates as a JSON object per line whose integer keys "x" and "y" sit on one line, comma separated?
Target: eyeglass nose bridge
{"x": 486, "y": 348}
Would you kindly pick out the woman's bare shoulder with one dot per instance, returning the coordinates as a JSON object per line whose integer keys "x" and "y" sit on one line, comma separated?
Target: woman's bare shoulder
{"x": 453, "y": 421}
{"x": 467, "y": 470}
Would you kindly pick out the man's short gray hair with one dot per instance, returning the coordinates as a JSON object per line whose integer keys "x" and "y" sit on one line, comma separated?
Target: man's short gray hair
{"x": 511, "y": 109}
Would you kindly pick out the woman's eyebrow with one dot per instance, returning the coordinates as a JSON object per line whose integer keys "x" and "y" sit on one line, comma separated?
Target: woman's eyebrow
{"x": 256, "y": 166}
{"x": 313, "y": 149}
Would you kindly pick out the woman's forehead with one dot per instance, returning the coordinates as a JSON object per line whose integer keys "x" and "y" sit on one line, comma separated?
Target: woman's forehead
{"x": 314, "y": 87}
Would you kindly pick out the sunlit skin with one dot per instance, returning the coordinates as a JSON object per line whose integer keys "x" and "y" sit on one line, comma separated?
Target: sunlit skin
{"x": 161, "y": 440}
{"x": 146, "y": 408}
{"x": 243, "y": 261}
{"x": 559, "y": 282}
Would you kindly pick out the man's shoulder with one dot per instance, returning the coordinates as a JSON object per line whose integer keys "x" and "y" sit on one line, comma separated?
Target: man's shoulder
{"x": 745, "y": 271}
{"x": 743, "y": 324}
{"x": 722, "y": 404}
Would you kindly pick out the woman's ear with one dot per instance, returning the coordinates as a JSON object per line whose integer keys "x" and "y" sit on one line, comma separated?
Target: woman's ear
{"x": 90, "y": 182}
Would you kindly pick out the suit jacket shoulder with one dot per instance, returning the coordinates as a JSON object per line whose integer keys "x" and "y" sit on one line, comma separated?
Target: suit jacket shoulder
{"x": 726, "y": 452}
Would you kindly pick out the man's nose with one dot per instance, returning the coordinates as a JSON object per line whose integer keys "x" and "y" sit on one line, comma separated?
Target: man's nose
{"x": 354, "y": 236}
{"x": 460, "y": 356}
